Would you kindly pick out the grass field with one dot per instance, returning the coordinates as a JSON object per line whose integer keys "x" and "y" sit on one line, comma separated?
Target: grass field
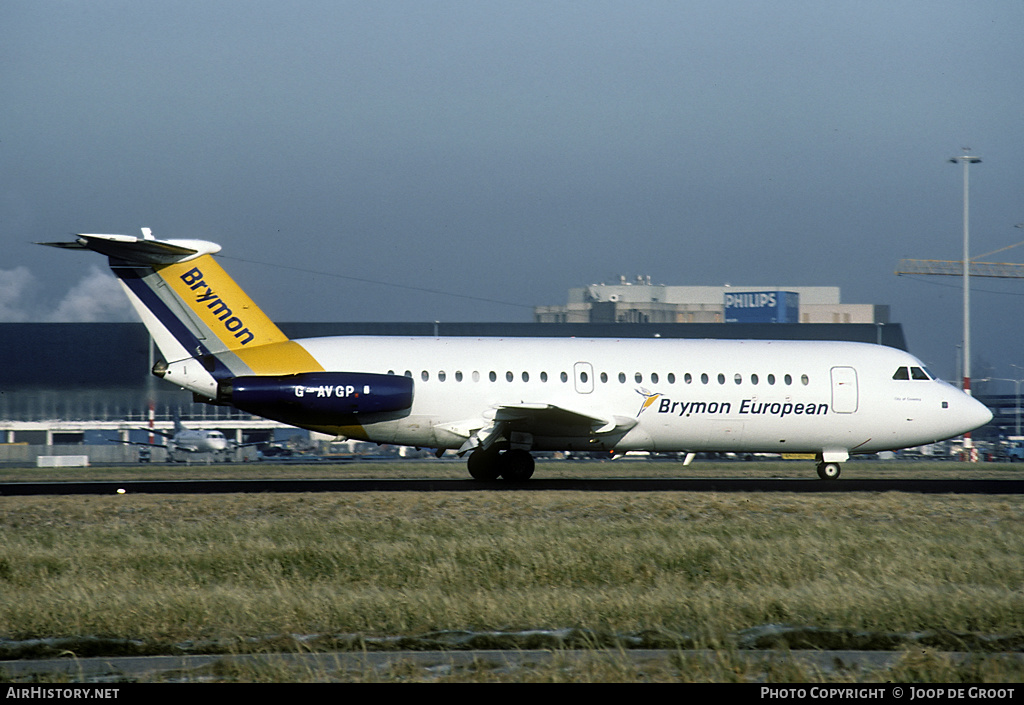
{"x": 250, "y": 572}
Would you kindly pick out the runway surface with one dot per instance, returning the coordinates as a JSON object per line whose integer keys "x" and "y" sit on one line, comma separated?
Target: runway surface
{"x": 441, "y": 663}
{"x": 841, "y": 486}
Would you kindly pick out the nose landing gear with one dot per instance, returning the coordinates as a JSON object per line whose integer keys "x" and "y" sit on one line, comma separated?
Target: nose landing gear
{"x": 828, "y": 471}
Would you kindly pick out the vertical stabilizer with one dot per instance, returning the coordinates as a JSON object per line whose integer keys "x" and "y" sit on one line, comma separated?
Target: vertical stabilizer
{"x": 206, "y": 327}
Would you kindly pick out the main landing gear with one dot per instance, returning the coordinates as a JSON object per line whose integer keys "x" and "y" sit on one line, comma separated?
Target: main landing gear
{"x": 514, "y": 465}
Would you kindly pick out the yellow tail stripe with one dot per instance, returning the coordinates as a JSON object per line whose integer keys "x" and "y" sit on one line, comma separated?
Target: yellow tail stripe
{"x": 279, "y": 359}
{"x": 220, "y": 304}
{"x": 234, "y": 319}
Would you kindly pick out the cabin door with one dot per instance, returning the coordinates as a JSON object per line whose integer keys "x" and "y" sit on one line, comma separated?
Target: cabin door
{"x": 845, "y": 397}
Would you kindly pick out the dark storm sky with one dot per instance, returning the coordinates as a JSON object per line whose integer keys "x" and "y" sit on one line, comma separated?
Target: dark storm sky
{"x": 360, "y": 155}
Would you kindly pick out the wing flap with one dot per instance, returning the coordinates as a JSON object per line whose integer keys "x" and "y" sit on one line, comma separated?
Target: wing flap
{"x": 550, "y": 416}
{"x": 527, "y": 420}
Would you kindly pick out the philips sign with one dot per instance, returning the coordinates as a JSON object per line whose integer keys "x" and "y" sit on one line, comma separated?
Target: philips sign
{"x": 762, "y": 307}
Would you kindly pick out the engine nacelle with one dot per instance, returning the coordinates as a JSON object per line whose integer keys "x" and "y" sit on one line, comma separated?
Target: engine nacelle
{"x": 320, "y": 398}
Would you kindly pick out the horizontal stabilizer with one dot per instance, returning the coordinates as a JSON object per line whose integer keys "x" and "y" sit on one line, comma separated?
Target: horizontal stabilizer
{"x": 65, "y": 245}
{"x": 139, "y": 250}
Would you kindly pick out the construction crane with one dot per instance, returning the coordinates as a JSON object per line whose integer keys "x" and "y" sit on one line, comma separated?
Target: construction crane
{"x": 955, "y": 268}
{"x": 998, "y": 270}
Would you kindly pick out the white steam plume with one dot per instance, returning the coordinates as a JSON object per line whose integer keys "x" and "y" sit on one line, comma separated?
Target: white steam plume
{"x": 97, "y": 297}
{"x": 15, "y": 288}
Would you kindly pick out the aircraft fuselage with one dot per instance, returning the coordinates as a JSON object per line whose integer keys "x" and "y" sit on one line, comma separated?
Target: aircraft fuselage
{"x": 660, "y": 394}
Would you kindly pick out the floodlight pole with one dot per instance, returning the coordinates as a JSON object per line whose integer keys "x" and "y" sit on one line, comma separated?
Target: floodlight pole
{"x": 967, "y": 159}
{"x": 1016, "y": 408}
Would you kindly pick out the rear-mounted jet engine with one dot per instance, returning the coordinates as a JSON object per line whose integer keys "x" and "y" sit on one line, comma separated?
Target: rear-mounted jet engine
{"x": 314, "y": 398}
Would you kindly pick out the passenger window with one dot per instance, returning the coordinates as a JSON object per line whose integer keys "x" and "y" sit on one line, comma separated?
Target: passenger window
{"x": 543, "y": 376}
{"x": 738, "y": 378}
{"x": 638, "y": 377}
{"x": 704, "y": 378}
{"x": 622, "y": 377}
{"x": 654, "y": 378}
{"x": 492, "y": 376}
{"x": 424, "y": 375}
{"x": 753, "y": 379}
{"x": 671, "y": 377}
{"x": 564, "y": 377}
{"x": 789, "y": 380}
{"x": 721, "y": 378}
{"x": 902, "y": 373}
{"x": 458, "y": 375}
{"x": 688, "y": 378}
{"x": 771, "y": 379}
{"x": 526, "y": 376}
{"x": 805, "y": 380}
{"x": 509, "y": 376}
{"x": 604, "y": 377}
{"x": 441, "y": 376}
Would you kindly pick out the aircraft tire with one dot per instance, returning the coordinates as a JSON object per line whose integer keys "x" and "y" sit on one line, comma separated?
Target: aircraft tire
{"x": 517, "y": 465}
{"x": 484, "y": 465}
{"x": 829, "y": 471}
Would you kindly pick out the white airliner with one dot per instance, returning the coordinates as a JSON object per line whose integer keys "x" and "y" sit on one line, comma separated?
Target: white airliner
{"x": 188, "y": 440}
{"x": 498, "y": 399}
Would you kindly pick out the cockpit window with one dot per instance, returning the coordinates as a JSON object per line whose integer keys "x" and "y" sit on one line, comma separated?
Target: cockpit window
{"x": 911, "y": 373}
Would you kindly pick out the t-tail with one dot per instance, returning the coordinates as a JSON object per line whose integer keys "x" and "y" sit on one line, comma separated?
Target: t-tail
{"x": 208, "y": 330}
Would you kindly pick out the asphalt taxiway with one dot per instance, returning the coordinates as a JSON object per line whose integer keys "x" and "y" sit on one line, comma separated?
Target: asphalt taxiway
{"x": 840, "y": 486}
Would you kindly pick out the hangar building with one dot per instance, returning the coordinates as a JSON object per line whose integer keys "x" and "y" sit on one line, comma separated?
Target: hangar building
{"x": 639, "y": 301}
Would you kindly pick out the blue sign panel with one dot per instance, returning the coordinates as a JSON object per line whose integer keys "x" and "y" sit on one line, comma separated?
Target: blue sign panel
{"x": 762, "y": 307}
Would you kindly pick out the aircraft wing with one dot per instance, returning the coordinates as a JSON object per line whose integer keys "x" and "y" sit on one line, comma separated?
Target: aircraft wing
{"x": 158, "y": 432}
{"x": 521, "y": 420}
{"x": 187, "y": 447}
{"x": 139, "y": 443}
{"x": 545, "y": 417}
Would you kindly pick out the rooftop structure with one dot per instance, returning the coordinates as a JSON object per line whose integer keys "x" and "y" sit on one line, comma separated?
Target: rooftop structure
{"x": 640, "y": 301}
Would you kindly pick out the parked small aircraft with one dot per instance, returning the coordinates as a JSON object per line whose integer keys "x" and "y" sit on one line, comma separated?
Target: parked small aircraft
{"x": 189, "y": 441}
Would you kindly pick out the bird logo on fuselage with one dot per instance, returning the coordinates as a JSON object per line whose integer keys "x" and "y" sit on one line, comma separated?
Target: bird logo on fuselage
{"x": 649, "y": 398}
